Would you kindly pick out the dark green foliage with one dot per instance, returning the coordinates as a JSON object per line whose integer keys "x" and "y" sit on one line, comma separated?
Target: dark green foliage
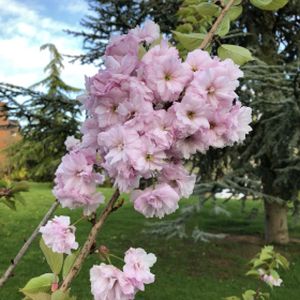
{"x": 54, "y": 84}
{"x": 119, "y": 16}
{"x": 49, "y": 118}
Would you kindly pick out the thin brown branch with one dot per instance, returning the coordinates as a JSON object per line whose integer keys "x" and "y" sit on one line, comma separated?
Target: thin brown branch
{"x": 90, "y": 241}
{"x": 215, "y": 26}
{"x": 16, "y": 260}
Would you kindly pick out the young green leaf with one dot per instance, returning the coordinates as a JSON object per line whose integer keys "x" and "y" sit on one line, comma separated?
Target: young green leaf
{"x": 38, "y": 296}
{"x": 249, "y": 295}
{"x": 59, "y": 295}
{"x": 236, "y": 2}
{"x": 239, "y": 55}
{"x": 207, "y": 9}
{"x": 252, "y": 273}
{"x": 282, "y": 261}
{"x": 224, "y": 27}
{"x": 190, "y": 41}
{"x": 39, "y": 284}
{"x": 234, "y": 12}
{"x": 69, "y": 261}
{"x": 54, "y": 260}
{"x": 271, "y": 5}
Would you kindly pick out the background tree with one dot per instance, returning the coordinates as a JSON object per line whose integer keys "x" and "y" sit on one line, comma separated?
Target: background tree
{"x": 118, "y": 16}
{"x": 267, "y": 165}
{"x": 48, "y": 118}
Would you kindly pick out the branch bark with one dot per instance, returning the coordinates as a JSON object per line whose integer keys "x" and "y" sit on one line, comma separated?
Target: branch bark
{"x": 89, "y": 242}
{"x": 215, "y": 26}
{"x": 16, "y": 260}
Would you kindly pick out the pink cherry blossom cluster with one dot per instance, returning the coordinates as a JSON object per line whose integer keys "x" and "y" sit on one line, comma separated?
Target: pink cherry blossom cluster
{"x": 269, "y": 279}
{"x": 110, "y": 283}
{"x": 148, "y": 111}
{"x": 59, "y": 235}
{"x": 76, "y": 180}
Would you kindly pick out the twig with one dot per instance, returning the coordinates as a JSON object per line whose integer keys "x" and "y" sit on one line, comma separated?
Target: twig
{"x": 26, "y": 245}
{"x": 89, "y": 242}
{"x": 214, "y": 28}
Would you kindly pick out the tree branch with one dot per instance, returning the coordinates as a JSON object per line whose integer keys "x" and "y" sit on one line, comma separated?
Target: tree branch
{"x": 215, "y": 26}
{"x": 90, "y": 241}
{"x": 26, "y": 245}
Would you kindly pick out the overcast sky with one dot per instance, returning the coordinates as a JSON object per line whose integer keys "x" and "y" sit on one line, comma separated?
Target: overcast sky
{"x": 25, "y": 25}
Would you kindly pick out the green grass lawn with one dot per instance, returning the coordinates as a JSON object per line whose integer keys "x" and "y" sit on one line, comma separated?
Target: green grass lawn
{"x": 185, "y": 270}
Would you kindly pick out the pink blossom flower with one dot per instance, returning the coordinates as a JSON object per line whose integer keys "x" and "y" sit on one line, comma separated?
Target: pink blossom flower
{"x": 163, "y": 50}
{"x": 110, "y": 283}
{"x": 76, "y": 182}
{"x": 167, "y": 78}
{"x": 151, "y": 159}
{"x": 72, "y": 143}
{"x": 199, "y": 60}
{"x": 191, "y": 144}
{"x": 137, "y": 267}
{"x": 107, "y": 113}
{"x": 158, "y": 130}
{"x": 123, "y": 65}
{"x": 191, "y": 112}
{"x": 231, "y": 70}
{"x": 90, "y": 130}
{"x": 59, "y": 235}
{"x": 124, "y": 51}
{"x": 239, "y": 119}
{"x": 178, "y": 178}
{"x": 121, "y": 144}
{"x": 269, "y": 279}
{"x": 156, "y": 202}
{"x": 215, "y": 87}
{"x": 148, "y": 33}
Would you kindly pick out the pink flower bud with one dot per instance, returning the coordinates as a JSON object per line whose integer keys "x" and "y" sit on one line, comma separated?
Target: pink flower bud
{"x": 54, "y": 287}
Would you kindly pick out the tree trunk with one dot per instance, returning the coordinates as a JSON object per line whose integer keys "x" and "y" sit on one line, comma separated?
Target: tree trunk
{"x": 276, "y": 226}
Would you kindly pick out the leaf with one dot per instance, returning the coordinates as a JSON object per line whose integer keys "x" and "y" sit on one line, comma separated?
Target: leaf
{"x": 239, "y": 55}
{"x": 190, "y": 41}
{"x": 38, "y": 296}
{"x": 207, "y": 9}
{"x": 54, "y": 260}
{"x": 260, "y": 3}
{"x": 249, "y": 295}
{"x": 258, "y": 263}
{"x": 60, "y": 295}
{"x": 271, "y": 5}
{"x": 282, "y": 261}
{"x": 141, "y": 52}
{"x": 252, "y": 273}
{"x": 224, "y": 27}
{"x": 232, "y": 298}
{"x": 265, "y": 256}
{"x": 39, "y": 284}
{"x": 236, "y": 2}
{"x": 185, "y": 28}
{"x": 235, "y": 12}
{"x": 69, "y": 261}
{"x": 274, "y": 274}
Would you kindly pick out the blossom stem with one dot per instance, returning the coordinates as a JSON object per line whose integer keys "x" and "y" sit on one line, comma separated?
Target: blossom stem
{"x": 116, "y": 257}
{"x": 9, "y": 271}
{"x": 215, "y": 26}
{"x": 89, "y": 242}
{"x": 77, "y": 221}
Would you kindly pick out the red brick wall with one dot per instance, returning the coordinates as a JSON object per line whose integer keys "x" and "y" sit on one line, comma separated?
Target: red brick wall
{"x": 9, "y": 134}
